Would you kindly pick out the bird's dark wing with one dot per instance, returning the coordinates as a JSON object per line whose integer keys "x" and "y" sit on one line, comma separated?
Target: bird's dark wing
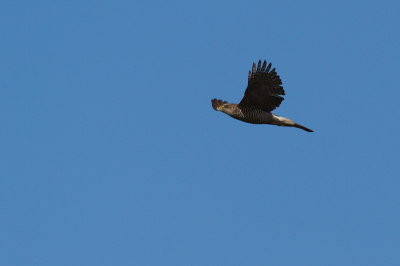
{"x": 263, "y": 89}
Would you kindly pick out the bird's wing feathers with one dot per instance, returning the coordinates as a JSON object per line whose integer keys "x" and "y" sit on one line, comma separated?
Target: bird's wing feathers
{"x": 263, "y": 88}
{"x": 268, "y": 103}
{"x": 267, "y": 81}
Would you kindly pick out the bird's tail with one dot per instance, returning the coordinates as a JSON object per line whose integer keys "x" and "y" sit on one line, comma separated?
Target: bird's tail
{"x": 303, "y": 128}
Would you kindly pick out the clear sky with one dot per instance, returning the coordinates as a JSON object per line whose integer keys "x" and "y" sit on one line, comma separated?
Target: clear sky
{"x": 111, "y": 153}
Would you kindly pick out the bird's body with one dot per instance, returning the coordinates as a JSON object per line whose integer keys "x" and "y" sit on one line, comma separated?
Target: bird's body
{"x": 252, "y": 115}
{"x": 260, "y": 98}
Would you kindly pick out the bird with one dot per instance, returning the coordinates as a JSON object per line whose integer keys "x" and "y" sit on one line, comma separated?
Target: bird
{"x": 261, "y": 97}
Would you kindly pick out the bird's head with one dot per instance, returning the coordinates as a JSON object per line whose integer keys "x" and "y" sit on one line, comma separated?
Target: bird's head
{"x": 223, "y": 106}
{"x": 227, "y": 108}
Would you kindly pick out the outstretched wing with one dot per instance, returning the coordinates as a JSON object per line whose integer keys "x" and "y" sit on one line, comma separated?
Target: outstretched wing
{"x": 263, "y": 89}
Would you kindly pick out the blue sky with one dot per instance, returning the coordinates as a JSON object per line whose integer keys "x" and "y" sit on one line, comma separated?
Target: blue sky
{"x": 111, "y": 153}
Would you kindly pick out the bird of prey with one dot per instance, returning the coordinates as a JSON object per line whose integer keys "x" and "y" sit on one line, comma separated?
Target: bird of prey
{"x": 260, "y": 98}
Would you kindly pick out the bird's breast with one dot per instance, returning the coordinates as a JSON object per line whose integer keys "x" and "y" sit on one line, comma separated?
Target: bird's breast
{"x": 254, "y": 116}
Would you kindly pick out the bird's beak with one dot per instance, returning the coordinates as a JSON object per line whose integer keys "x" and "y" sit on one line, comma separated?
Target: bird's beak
{"x": 219, "y": 108}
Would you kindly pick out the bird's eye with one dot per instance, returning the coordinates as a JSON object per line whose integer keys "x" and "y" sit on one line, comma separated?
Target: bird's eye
{"x": 223, "y": 106}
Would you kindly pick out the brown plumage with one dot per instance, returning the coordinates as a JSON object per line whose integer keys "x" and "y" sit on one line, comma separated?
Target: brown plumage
{"x": 260, "y": 98}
